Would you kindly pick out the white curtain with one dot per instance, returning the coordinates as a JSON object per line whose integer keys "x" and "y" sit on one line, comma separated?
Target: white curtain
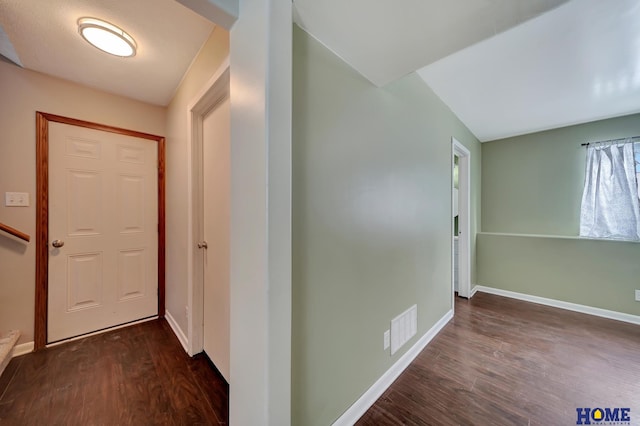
{"x": 610, "y": 205}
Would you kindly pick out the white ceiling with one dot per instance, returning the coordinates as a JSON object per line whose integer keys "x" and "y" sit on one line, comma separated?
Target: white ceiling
{"x": 45, "y": 37}
{"x": 6, "y": 48}
{"x": 385, "y": 40}
{"x": 543, "y": 63}
{"x": 577, "y": 63}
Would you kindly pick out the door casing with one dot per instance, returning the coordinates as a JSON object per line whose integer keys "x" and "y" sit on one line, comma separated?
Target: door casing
{"x": 42, "y": 214}
{"x": 464, "y": 222}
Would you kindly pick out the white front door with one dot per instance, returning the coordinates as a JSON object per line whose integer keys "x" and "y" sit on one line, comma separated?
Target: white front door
{"x": 216, "y": 167}
{"x": 103, "y": 216}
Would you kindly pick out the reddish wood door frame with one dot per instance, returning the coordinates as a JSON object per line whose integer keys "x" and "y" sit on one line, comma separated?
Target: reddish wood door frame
{"x": 42, "y": 213}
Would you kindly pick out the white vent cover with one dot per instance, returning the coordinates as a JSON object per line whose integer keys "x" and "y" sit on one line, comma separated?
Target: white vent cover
{"x": 403, "y": 328}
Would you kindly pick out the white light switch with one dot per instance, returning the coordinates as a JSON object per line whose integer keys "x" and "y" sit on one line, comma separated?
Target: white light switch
{"x": 637, "y": 295}
{"x": 16, "y": 199}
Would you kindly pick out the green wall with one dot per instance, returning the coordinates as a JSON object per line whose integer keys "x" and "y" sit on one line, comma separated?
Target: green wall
{"x": 598, "y": 273}
{"x": 371, "y": 223}
{"x": 532, "y": 184}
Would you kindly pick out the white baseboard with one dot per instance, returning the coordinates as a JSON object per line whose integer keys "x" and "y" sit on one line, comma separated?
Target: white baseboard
{"x": 177, "y": 330}
{"x": 365, "y": 402}
{"x": 22, "y": 349}
{"x": 590, "y": 310}
{"x": 474, "y": 289}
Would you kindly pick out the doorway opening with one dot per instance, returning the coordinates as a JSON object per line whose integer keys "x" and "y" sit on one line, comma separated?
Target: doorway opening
{"x": 461, "y": 224}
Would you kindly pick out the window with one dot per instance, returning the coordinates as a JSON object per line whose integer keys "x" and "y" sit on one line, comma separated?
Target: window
{"x": 637, "y": 159}
{"x": 610, "y": 201}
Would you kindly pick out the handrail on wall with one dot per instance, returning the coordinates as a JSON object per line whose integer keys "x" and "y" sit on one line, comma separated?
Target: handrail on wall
{"x": 14, "y": 232}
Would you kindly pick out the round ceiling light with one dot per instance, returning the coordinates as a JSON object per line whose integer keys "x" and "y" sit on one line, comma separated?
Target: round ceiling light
{"x": 107, "y": 37}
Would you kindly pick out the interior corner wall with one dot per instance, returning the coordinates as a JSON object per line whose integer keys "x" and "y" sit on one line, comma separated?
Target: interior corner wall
{"x": 209, "y": 59}
{"x": 531, "y": 194}
{"x": 24, "y": 92}
{"x": 372, "y": 223}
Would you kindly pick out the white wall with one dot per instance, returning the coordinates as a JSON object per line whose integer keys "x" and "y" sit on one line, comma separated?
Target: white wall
{"x": 260, "y": 276}
{"x": 22, "y": 93}
{"x": 261, "y": 214}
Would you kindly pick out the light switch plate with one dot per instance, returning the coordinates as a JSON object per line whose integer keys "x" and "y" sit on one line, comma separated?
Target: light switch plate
{"x": 387, "y": 340}
{"x": 16, "y": 199}
{"x": 637, "y": 295}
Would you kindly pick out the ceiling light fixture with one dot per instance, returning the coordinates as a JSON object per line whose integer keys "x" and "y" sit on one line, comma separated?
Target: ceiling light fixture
{"x": 107, "y": 37}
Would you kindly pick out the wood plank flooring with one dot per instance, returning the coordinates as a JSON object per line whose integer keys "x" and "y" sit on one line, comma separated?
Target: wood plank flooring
{"x": 498, "y": 362}
{"x": 506, "y": 362}
{"x": 138, "y": 375}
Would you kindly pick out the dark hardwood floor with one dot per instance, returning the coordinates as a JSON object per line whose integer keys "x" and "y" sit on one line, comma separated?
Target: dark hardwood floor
{"x": 507, "y": 362}
{"x": 138, "y": 375}
{"x": 498, "y": 362}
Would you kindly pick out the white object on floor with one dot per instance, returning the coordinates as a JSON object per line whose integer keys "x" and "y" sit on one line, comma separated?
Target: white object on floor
{"x": 6, "y": 348}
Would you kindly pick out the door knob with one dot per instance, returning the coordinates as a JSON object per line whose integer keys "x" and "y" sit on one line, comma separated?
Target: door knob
{"x": 57, "y": 243}
{"x": 203, "y": 245}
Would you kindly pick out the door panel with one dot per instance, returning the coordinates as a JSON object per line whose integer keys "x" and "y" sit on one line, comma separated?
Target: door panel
{"x": 131, "y": 203}
{"x": 216, "y": 224}
{"x": 131, "y": 274}
{"x": 84, "y": 281}
{"x": 103, "y": 204}
{"x": 84, "y": 205}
